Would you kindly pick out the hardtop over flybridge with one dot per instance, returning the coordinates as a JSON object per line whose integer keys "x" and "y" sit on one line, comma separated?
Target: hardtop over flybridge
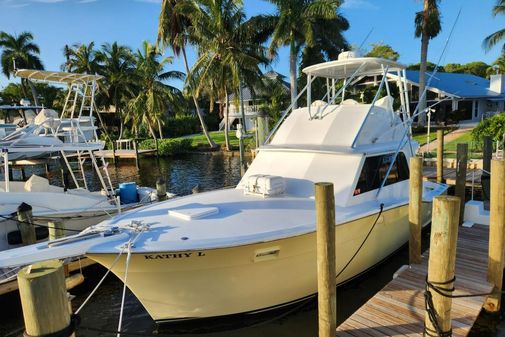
{"x": 250, "y": 248}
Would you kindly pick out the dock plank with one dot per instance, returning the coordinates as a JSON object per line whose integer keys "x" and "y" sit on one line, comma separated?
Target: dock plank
{"x": 398, "y": 309}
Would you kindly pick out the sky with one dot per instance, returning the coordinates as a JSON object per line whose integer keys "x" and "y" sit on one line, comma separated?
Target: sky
{"x": 55, "y": 23}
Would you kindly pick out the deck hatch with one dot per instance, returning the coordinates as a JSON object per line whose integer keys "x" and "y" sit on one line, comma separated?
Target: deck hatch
{"x": 192, "y": 213}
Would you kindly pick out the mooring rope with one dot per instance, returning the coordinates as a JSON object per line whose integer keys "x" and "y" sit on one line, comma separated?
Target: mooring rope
{"x": 364, "y": 241}
{"x": 443, "y": 289}
{"x": 127, "y": 264}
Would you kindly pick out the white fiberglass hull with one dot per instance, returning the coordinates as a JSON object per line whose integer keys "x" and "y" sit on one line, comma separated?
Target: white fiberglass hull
{"x": 215, "y": 282}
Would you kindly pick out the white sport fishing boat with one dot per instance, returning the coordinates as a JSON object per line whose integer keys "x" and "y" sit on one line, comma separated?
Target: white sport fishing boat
{"x": 253, "y": 248}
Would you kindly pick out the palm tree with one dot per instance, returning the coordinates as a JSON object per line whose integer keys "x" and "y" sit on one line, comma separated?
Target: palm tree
{"x": 498, "y": 66}
{"x": 428, "y": 26}
{"x": 153, "y": 97}
{"x": 118, "y": 68}
{"x": 82, "y": 58}
{"x": 229, "y": 54}
{"x": 173, "y": 31}
{"x": 19, "y": 51}
{"x": 294, "y": 25}
{"x": 493, "y": 39}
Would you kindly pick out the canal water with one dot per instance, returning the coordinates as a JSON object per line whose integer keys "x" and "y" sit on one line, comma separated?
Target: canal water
{"x": 208, "y": 171}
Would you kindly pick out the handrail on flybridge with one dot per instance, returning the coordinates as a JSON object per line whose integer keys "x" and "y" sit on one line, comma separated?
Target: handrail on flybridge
{"x": 350, "y": 70}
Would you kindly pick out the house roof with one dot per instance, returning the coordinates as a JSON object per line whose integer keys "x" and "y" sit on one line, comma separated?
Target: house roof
{"x": 456, "y": 85}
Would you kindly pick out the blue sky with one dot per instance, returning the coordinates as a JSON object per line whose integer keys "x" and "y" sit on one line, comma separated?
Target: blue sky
{"x": 55, "y": 23}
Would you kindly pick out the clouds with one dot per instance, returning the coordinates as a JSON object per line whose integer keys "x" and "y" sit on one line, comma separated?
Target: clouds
{"x": 359, "y": 4}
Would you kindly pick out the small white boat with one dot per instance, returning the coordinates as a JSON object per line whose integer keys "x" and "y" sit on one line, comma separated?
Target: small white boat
{"x": 253, "y": 248}
{"x": 72, "y": 137}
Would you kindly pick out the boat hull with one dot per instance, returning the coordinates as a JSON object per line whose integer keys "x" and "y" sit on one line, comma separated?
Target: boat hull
{"x": 248, "y": 278}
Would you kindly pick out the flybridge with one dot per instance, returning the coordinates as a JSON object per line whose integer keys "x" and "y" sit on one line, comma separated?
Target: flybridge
{"x": 342, "y": 76}
{"x": 371, "y": 121}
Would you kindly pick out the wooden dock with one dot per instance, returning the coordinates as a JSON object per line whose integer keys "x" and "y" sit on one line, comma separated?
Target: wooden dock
{"x": 399, "y": 309}
{"x": 126, "y": 154}
{"x": 430, "y": 173}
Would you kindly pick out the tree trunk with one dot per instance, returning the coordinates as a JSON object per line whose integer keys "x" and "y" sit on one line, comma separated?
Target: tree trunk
{"x": 292, "y": 72}
{"x": 227, "y": 122}
{"x": 160, "y": 130}
{"x": 422, "y": 70}
{"x": 34, "y": 93}
{"x": 152, "y": 132}
{"x": 422, "y": 80}
{"x": 23, "y": 88}
{"x": 197, "y": 107}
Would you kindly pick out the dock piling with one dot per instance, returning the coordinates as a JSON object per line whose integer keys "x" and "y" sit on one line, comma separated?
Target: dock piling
{"x": 442, "y": 261}
{"x": 135, "y": 147}
{"x": 326, "y": 269}
{"x": 161, "y": 189}
{"x": 487, "y": 155}
{"x": 415, "y": 206}
{"x": 440, "y": 156}
{"x": 496, "y": 234}
{"x": 56, "y": 230}
{"x": 44, "y": 299}
{"x": 25, "y": 224}
{"x": 461, "y": 164}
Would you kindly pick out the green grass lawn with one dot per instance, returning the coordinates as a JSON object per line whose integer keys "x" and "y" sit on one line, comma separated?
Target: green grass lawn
{"x": 420, "y": 137}
{"x": 199, "y": 140}
{"x": 474, "y": 152}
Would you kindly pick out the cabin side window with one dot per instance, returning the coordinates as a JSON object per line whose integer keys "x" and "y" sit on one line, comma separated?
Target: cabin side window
{"x": 375, "y": 169}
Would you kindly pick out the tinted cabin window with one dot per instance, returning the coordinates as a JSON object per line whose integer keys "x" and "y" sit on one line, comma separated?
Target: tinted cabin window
{"x": 375, "y": 169}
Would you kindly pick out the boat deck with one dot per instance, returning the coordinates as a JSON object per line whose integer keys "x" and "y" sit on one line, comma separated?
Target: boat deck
{"x": 398, "y": 309}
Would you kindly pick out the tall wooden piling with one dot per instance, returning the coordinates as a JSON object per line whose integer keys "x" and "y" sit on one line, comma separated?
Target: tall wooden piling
{"x": 56, "y": 230}
{"x": 25, "y": 224}
{"x": 415, "y": 206}
{"x": 161, "y": 189}
{"x": 44, "y": 298}
{"x": 440, "y": 156}
{"x": 461, "y": 164}
{"x": 262, "y": 128}
{"x": 496, "y": 234}
{"x": 442, "y": 259}
{"x": 135, "y": 147}
{"x": 326, "y": 269}
{"x": 487, "y": 155}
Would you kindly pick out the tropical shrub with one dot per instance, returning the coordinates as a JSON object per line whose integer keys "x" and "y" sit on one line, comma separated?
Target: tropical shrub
{"x": 494, "y": 127}
{"x": 188, "y": 125}
{"x": 167, "y": 147}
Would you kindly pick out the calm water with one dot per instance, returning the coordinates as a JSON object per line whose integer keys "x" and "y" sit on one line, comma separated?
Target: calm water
{"x": 209, "y": 172}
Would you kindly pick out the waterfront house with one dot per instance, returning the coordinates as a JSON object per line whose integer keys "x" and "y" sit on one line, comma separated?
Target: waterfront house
{"x": 459, "y": 97}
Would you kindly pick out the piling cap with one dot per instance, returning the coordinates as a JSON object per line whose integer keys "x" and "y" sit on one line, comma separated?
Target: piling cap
{"x": 24, "y": 207}
{"x": 160, "y": 181}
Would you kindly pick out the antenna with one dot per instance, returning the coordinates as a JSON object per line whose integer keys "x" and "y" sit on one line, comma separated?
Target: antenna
{"x": 366, "y": 38}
